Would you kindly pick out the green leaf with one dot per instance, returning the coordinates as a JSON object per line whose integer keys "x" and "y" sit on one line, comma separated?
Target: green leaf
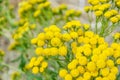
{"x": 22, "y": 62}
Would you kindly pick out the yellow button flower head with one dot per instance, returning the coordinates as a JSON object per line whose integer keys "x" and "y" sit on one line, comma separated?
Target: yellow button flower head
{"x": 108, "y": 14}
{"x": 81, "y": 69}
{"x": 91, "y": 66}
{"x": 35, "y": 70}
{"x": 74, "y": 35}
{"x": 86, "y": 26}
{"x": 87, "y": 75}
{"x": 114, "y": 19}
{"x": 98, "y": 78}
{"x": 98, "y": 13}
{"x": 55, "y": 42}
{"x": 66, "y": 37}
{"x": 36, "y": 13}
{"x": 63, "y": 50}
{"x": 74, "y": 73}
{"x": 118, "y": 61}
{"x": 117, "y": 35}
{"x": 39, "y": 51}
{"x": 44, "y": 64}
{"x": 87, "y": 8}
{"x": 41, "y": 69}
{"x": 40, "y": 43}
{"x": 100, "y": 63}
{"x": 68, "y": 77}
{"x": 87, "y": 51}
{"x": 83, "y": 60}
{"x": 53, "y": 51}
{"x": 110, "y": 63}
{"x": 34, "y": 40}
{"x": 49, "y": 35}
{"x": 105, "y": 71}
{"x": 41, "y": 36}
{"x": 63, "y": 73}
{"x": 114, "y": 70}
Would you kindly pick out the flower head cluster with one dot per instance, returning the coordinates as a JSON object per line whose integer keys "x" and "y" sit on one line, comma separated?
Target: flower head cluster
{"x": 116, "y": 37}
{"x": 117, "y": 2}
{"x": 50, "y": 42}
{"x": 103, "y": 7}
{"x": 37, "y": 64}
{"x": 27, "y": 6}
{"x": 20, "y": 32}
{"x": 94, "y": 59}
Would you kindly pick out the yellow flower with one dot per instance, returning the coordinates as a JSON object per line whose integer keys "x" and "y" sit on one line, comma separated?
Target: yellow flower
{"x": 41, "y": 36}
{"x": 108, "y": 14}
{"x": 74, "y": 73}
{"x": 35, "y": 70}
{"x": 44, "y": 64}
{"x": 86, "y": 26}
{"x": 89, "y": 34}
{"x": 63, "y": 50}
{"x": 83, "y": 60}
{"x": 66, "y": 37}
{"x": 98, "y": 78}
{"x": 34, "y": 40}
{"x": 100, "y": 63}
{"x": 98, "y": 13}
{"x": 87, "y": 75}
{"x": 62, "y": 73}
{"x": 110, "y": 63}
{"x": 41, "y": 69}
{"x": 87, "y": 8}
{"x": 55, "y": 42}
{"x": 91, "y": 66}
{"x": 33, "y": 26}
{"x": 87, "y": 51}
{"x": 36, "y": 13}
{"x": 105, "y": 71}
{"x": 118, "y": 61}
{"x": 46, "y": 51}
{"x": 114, "y": 19}
{"x": 40, "y": 43}
{"x": 54, "y": 51}
{"x": 49, "y": 35}
{"x": 68, "y": 77}
{"x": 74, "y": 35}
{"x": 80, "y": 39}
{"x": 114, "y": 70}
{"x": 81, "y": 69}
{"x": 39, "y": 51}
{"x": 116, "y": 35}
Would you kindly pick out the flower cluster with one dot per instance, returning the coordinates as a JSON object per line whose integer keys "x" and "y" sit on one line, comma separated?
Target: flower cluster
{"x": 117, "y": 2}
{"x": 116, "y": 37}
{"x": 103, "y": 7}
{"x": 92, "y": 56}
{"x": 50, "y": 42}
{"x": 19, "y": 33}
{"x": 94, "y": 59}
{"x": 38, "y": 64}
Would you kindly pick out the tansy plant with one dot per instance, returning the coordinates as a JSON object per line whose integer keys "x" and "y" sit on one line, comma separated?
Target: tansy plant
{"x": 34, "y": 15}
{"x": 74, "y": 53}
{"x": 107, "y": 17}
